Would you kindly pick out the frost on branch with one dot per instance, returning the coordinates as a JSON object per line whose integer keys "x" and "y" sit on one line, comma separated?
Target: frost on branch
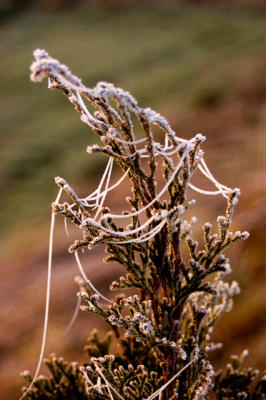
{"x": 164, "y": 329}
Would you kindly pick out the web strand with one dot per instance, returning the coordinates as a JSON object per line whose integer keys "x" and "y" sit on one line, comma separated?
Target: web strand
{"x": 47, "y": 302}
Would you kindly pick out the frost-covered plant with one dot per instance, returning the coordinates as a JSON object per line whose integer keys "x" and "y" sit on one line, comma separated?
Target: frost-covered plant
{"x": 164, "y": 329}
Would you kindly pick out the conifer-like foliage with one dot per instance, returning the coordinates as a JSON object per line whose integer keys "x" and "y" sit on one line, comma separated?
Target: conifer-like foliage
{"x": 164, "y": 329}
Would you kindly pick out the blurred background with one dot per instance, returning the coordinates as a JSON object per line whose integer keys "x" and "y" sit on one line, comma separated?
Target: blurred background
{"x": 202, "y": 65}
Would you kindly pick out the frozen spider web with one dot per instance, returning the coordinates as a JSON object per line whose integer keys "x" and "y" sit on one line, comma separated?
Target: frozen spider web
{"x": 60, "y": 76}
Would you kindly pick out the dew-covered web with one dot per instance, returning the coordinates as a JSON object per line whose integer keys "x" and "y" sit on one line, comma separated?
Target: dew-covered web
{"x": 116, "y": 131}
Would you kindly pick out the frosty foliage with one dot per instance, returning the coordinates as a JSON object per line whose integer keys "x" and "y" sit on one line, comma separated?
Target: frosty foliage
{"x": 164, "y": 329}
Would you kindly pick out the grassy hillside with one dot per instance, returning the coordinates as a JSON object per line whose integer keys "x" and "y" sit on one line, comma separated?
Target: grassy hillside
{"x": 174, "y": 58}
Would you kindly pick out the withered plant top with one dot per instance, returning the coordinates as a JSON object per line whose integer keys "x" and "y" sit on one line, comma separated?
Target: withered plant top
{"x": 164, "y": 329}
